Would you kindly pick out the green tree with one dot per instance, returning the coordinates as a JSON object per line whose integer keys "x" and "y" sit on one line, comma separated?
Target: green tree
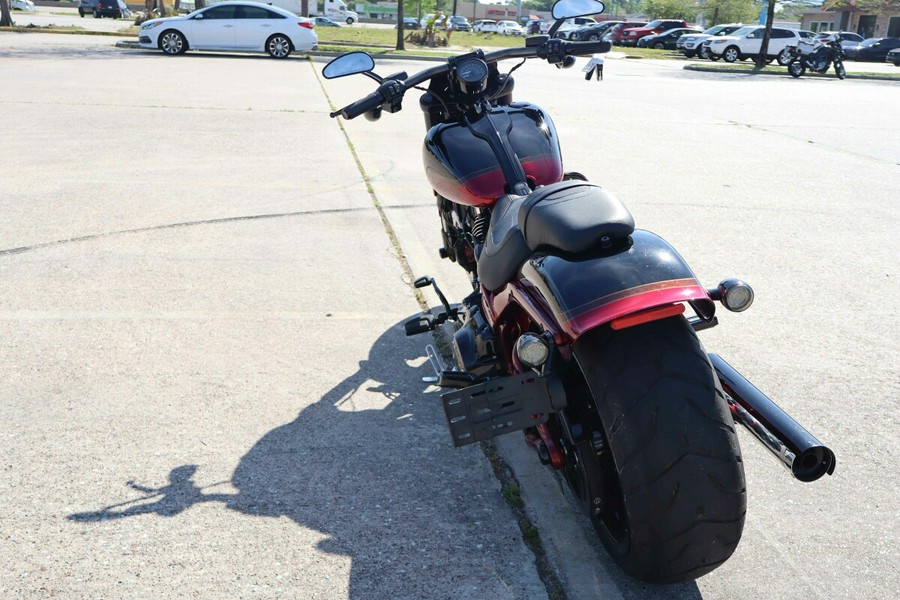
{"x": 670, "y": 9}
{"x": 538, "y": 4}
{"x": 731, "y": 11}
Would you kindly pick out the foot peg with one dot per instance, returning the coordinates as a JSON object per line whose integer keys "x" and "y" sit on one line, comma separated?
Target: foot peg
{"x": 420, "y": 324}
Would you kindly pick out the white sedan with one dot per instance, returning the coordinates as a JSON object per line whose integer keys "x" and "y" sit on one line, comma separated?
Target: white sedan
{"x": 241, "y": 26}
{"x": 510, "y": 28}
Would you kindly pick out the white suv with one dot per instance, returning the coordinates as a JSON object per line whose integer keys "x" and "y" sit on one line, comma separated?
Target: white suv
{"x": 746, "y": 42}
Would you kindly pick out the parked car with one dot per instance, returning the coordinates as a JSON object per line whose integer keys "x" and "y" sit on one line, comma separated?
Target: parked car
{"x": 509, "y": 28}
{"x": 231, "y": 26}
{"x": 100, "y": 8}
{"x": 592, "y": 33}
{"x": 666, "y": 40}
{"x": 326, "y": 22}
{"x": 614, "y": 34}
{"x": 26, "y": 5}
{"x": 485, "y": 26}
{"x": 893, "y": 57}
{"x": 692, "y": 44}
{"x": 876, "y": 49}
{"x": 631, "y": 35}
{"x": 848, "y": 38}
{"x": 459, "y": 23}
{"x": 746, "y": 43}
{"x": 411, "y": 23}
{"x": 570, "y": 25}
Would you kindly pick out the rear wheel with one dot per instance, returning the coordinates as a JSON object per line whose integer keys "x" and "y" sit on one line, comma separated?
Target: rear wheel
{"x": 796, "y": 69}
{"x": 661, "y": 475}
{"x": 703, "y": 52}
{"x": 659, "y": 46}
{"x": 784, "y": 58}
{"x": 278, "y": 46}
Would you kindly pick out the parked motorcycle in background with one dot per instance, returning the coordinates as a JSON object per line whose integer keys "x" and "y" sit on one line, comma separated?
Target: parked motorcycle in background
{"x": 575, "y": 331}
{"x": 817, "y": 56}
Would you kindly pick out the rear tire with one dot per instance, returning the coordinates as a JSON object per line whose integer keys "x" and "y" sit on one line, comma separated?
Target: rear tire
{"x": 671, "y": 452}
{"x": 796, "y": 69}
{"x": 659, "y": 46}
{"x": 784, "y": 58}
{"x": 278, "y": 46}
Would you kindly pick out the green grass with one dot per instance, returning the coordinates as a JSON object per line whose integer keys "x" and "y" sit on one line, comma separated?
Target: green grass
{"x": 388, "y": 37}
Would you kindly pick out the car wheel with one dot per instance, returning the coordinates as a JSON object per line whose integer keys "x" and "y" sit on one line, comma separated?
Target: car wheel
{"x": 703, "y": 53}
{"x": 659, "y": 46}
{"x": 712, "y": 57}
{"x": 278, "y": 46}
{"x": 731, "y": 54}
{"x": 96, "y": 14}
{"x": 594, "y": 37}
{"x": 350, "y": 21}
{"x": 80, "y": 13}
{"x": 784, "y": 58}
{"x": 172, "y": 42}
{"x": 689, "y": 55}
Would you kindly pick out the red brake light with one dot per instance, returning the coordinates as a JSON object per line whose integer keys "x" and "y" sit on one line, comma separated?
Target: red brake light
{"x": 307, "y": 24}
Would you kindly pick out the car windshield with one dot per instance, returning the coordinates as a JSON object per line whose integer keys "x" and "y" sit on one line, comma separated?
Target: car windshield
{"x": 869, "y": 42}
{"x": 653, "y": 24}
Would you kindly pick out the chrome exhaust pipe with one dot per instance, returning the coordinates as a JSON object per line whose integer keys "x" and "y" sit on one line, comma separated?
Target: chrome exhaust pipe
{"x": 797, "y": 449}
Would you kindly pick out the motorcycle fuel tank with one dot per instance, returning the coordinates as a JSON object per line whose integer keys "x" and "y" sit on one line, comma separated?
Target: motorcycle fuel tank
{"x": 464, "y": 169}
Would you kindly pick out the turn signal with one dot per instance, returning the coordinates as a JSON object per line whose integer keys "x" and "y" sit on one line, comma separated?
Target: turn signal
{"x": 735, "y": 295}
{"x": 531, "y": 350}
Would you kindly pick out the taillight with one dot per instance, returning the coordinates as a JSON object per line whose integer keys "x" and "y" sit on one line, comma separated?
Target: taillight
{"x": 307, "y": 24}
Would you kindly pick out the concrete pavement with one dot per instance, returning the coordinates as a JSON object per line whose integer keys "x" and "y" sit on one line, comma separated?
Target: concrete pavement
{"x": 208, "y": 392}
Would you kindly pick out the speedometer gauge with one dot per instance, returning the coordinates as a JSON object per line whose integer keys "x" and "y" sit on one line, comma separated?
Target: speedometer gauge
{"x": 472, "y": 74}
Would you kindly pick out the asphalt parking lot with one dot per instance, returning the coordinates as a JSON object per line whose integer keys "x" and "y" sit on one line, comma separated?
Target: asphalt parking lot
{"x": 203, "y": 376}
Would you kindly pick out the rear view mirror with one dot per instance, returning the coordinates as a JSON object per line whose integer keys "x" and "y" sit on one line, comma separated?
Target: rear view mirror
{"x": 348, "y": 64}
{"x": 567, "y": 9}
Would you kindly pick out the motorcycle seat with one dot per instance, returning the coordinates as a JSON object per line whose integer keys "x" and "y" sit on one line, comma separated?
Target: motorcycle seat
{"x": 567, "y": 217}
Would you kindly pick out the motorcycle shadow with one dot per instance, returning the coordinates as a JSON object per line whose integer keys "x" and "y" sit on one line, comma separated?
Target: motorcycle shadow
{"x": 370, "y": 466}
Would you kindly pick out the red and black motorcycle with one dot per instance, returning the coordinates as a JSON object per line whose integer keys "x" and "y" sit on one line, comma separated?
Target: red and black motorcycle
{"x": 576, "y": 331}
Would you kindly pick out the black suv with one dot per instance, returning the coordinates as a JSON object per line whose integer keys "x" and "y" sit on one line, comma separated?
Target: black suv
{"x": 100, "y": 8}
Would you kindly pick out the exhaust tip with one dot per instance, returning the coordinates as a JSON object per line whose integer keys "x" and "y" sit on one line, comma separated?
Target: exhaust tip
{"x": 813, "y": 463}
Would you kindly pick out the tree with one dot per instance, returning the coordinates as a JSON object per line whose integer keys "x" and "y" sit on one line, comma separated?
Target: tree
{"x": 5, "y": 14}
{"x": 764, "y": 48}
{"x": 869, "y": 6}
{"x": 731, "y": 11}
{"x": 670, "y": 9}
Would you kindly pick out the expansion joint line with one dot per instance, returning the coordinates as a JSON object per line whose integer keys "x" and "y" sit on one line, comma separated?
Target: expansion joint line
{"x": 388, "y": 228}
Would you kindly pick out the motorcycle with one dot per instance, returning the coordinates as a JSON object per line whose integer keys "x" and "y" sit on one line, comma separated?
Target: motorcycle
{"x": 576, "y": 331}
{"x": 816, "y": 57}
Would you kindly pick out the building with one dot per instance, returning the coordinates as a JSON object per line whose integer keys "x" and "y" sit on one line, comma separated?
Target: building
{"x": 852, "y": 15}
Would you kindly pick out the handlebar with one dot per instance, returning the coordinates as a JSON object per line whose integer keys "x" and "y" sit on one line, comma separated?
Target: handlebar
{"x": 552, "y": 50}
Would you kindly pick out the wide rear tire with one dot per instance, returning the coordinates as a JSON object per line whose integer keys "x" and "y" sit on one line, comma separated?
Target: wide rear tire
{"x": 670, "y": 451}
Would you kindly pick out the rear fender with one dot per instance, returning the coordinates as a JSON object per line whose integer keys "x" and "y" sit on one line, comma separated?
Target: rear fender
{"x": 585, "y": 294}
